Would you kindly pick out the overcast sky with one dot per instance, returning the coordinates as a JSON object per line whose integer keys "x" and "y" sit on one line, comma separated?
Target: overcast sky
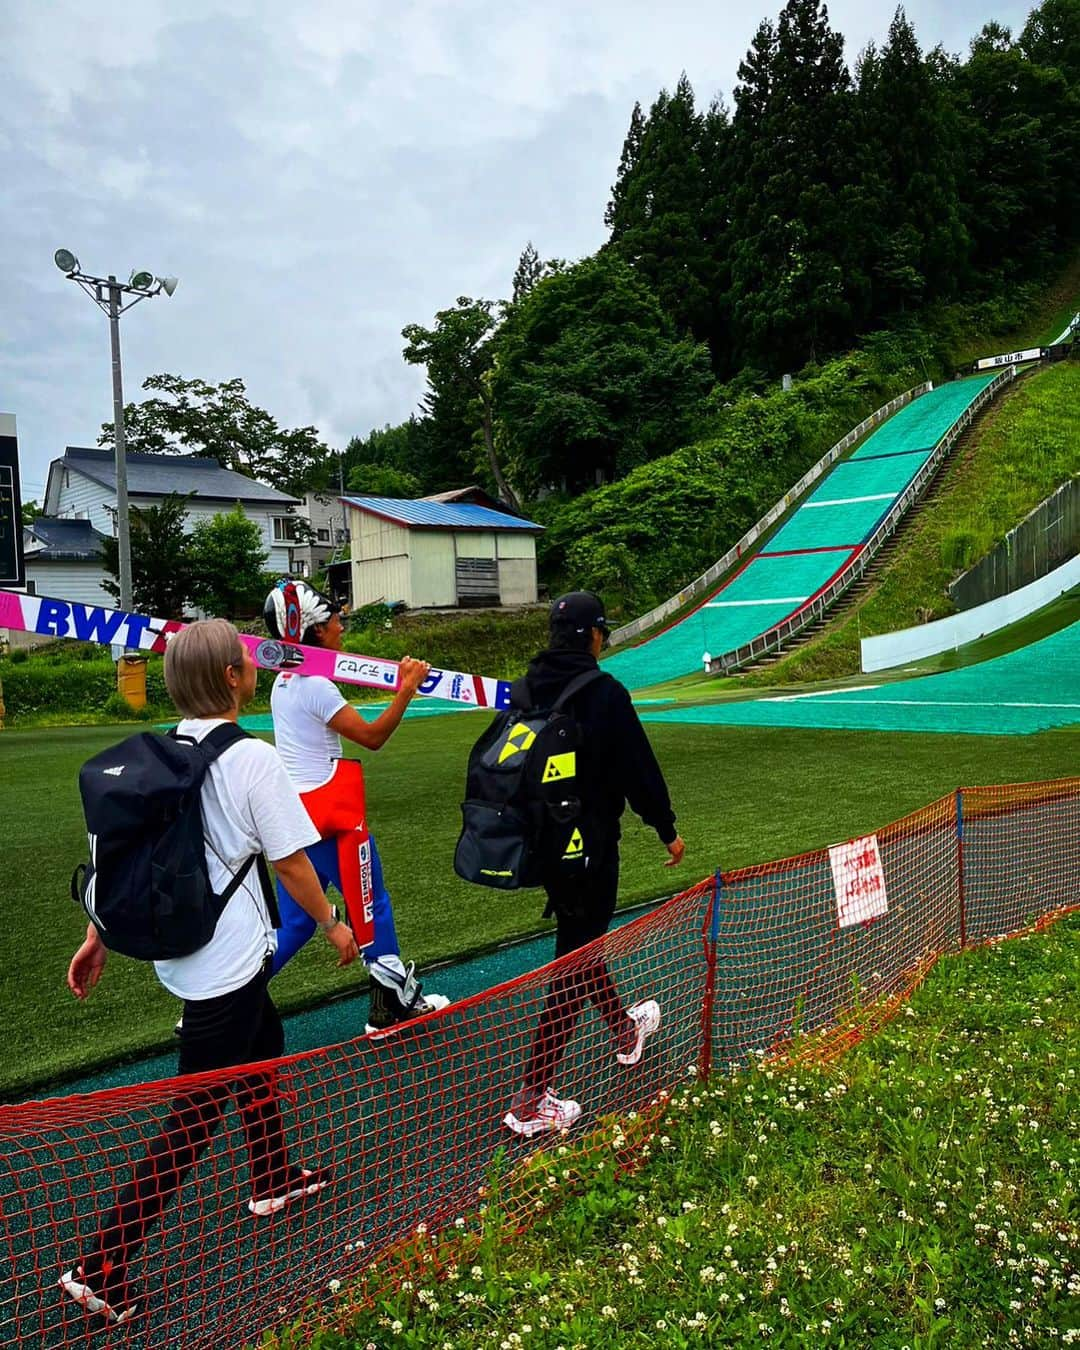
{"x": 319, "y": 174}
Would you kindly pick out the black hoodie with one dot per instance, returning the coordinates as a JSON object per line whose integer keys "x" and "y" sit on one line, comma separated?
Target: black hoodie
{"x": 616, "y": 761}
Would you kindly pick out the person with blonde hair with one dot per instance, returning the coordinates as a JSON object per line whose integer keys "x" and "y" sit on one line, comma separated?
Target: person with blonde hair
{"x": 249, "y": 809}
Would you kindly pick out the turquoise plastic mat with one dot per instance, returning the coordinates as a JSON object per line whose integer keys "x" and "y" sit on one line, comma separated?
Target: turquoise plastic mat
{"x": 1032, "y": 689}
{"x": 845, "y": 522}
{"x": 924, "y": 421}
{"x": 860, "y": 477}
{"x": 422, "y": 707}
{"x": 720, "y": 626}
{"x": 679, "y": 650}
{"x": 789, "y": 576}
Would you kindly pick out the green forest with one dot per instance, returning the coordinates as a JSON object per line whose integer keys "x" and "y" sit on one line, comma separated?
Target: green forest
{"x": 854, "y": 221}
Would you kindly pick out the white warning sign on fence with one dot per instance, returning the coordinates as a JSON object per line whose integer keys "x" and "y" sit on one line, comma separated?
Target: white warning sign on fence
{"x": 859, "y": 881}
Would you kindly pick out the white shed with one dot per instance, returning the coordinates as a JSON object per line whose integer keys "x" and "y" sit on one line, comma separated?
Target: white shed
{"x": 440, "y": 554}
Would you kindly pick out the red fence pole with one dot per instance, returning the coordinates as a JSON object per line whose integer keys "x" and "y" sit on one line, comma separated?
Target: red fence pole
{"x": 960, "y": 865}
{"x": 705, "y": 1063}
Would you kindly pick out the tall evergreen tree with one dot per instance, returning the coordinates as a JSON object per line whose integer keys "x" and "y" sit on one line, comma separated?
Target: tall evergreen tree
{"x": 657, "y": 209}
{"x": 791, "y": 160}
{"x": 529, "y": 271}
{"x": 616, "y": 218}
{"x": 911, "y": 164}
{"x": 1051, "y": 42}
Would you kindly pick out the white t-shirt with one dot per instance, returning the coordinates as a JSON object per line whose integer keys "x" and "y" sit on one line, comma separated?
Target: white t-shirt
{"x": 248, "y": 806}
{"x": 301, "y": 706}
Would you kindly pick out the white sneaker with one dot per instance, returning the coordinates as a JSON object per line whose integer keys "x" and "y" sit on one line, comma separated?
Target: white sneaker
{"x": 304, "y": 1181}
{"x": 647, "y": 1017}
{"x": 73, "y": 1283}
{"x": 551, "y": 1113}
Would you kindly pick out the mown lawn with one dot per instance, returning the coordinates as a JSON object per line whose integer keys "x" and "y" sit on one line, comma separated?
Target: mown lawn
{"x": 919, "y": 1193}
{"x": 742, "y": 795}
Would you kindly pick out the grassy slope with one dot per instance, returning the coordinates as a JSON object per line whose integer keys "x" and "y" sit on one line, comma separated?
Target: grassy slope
{"x": 742, "y": 795}
{"x": 922, "y": 1192}
{"x": 1024, "y": 447}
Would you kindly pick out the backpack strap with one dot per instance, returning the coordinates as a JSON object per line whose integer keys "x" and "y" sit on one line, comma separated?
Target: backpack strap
{"x": 575, "y": 686}
{"x": 213, "y": 744}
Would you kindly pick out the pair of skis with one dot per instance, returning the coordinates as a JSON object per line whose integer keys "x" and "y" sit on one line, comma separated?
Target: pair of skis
{"x": 91, "y": 623}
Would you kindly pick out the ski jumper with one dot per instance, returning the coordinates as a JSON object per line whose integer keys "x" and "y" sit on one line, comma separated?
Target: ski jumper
{"x": 332, "y": 790}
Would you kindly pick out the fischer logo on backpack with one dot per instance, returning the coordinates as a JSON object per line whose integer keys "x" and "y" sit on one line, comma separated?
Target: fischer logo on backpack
{"x": 522, "y": 817}
{"x": 146, "y": 888}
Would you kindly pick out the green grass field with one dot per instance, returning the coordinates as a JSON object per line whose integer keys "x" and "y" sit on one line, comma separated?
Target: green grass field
{"x": 919, "y": 1193}
{"x": 742, "y": 795}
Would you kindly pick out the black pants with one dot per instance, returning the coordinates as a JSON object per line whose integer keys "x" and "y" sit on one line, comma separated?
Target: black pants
{"x": 583, "y": 911}
{"x": 237, "y": 1028}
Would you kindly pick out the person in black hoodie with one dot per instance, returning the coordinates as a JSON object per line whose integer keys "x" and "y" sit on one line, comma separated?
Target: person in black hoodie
{"x": 615, "y": 765}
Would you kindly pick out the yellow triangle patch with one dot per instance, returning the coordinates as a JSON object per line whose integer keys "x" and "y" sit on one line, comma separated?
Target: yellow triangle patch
{"x": 560, "y": 766}
{"x": 519, "y": 738}
{"x": 575, "y": 846}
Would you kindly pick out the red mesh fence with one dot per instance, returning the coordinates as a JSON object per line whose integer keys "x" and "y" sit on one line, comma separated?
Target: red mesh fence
{"x": 790, "y": 959}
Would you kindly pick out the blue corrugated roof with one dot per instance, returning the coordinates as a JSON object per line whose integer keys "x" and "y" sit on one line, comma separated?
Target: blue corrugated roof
{"x": 447, "y": 515}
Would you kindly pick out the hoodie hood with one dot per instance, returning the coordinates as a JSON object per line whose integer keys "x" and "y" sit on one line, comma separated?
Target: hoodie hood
{"x": 550, "y": 672}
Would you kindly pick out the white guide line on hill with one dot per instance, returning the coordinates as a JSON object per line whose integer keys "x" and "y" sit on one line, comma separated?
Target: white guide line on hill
{"x": 738, "y": 604}
{"x": 846, "y": 501}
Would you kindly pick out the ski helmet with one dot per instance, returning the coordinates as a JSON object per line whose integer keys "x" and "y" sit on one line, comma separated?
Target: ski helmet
{"x": 293, "y": 608}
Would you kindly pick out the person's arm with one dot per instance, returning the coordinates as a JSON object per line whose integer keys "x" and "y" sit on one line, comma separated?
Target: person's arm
{"x": 298, "y": 877}
{"x": 87, "y": 964}
{"x": 640, "y": 774}
{"x": 374, "y": 735}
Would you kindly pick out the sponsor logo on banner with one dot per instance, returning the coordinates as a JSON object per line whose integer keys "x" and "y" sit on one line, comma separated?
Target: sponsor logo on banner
{"x": 1009, "y": 358}
{"x": 431, "y": 681}
{"x": 859, "y": 881}
{"x": 457, "y": 686}
{"x": 89, "y": 623}
{"x": 361, "y": 668}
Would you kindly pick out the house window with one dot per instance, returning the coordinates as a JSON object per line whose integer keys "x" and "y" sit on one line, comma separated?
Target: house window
{"x": 284, "y": 529}
{"x": 342, "y": 536}
{"x": 323, "y": 536}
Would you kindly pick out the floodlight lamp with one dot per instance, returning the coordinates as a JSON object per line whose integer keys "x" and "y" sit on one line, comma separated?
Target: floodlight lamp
{"x": 168, "y": 284}
{"x": 141, "y": 280}
{"x": 66, "y": 260}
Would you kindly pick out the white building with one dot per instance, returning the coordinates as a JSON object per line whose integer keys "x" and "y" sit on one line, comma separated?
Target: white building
{"x": 436, "y": 553}
{"x": 64, "y": 559}
{"x": 82, "y": 486}
{"x": 325, "y": 518}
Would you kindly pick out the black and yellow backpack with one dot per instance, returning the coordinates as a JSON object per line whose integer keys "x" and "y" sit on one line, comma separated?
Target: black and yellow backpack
{"x": 522, "y": 818}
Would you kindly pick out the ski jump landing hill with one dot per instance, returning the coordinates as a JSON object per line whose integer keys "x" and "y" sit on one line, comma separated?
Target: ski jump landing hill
{"x": 819, "y": 549}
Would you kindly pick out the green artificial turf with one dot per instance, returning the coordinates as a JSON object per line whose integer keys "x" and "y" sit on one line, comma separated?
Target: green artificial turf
{"x": 742, "y": 795}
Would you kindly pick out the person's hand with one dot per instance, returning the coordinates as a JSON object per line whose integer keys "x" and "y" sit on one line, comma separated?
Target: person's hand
{"x": 341, "y": 935}
{"x": 412, "y": 674}
{"x": 676, "y": 848}
{"x": 86, "y": 966}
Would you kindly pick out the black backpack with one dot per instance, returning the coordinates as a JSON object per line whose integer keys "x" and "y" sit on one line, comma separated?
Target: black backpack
{"x": 522, "y": 819}
{"x": 146, "y": 888}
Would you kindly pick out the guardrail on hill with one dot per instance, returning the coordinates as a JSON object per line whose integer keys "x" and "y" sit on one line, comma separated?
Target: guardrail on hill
{"x": 775, "y": 637}
{"x": 634, "y": 629}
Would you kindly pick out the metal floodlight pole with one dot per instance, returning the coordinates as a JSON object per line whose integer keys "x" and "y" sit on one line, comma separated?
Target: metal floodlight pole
{"x": 123, "y": 525}
{"x": 108, "y": 294}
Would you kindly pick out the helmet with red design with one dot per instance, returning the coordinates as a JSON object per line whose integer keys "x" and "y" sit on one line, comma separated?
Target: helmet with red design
{"x": 293, "y": 608}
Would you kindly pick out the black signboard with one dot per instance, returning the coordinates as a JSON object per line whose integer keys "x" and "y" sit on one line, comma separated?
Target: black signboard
{"x": 12, "y": 572}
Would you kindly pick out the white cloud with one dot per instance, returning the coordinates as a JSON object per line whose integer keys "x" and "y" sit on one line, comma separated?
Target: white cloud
{"x": 319, "y": 173}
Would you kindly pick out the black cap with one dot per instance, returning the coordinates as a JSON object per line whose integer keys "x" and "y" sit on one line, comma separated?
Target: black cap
{"x": 580, "y": 610}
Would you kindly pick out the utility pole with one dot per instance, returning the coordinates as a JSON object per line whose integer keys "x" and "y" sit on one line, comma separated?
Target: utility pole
{"x": 109, "y": 296}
